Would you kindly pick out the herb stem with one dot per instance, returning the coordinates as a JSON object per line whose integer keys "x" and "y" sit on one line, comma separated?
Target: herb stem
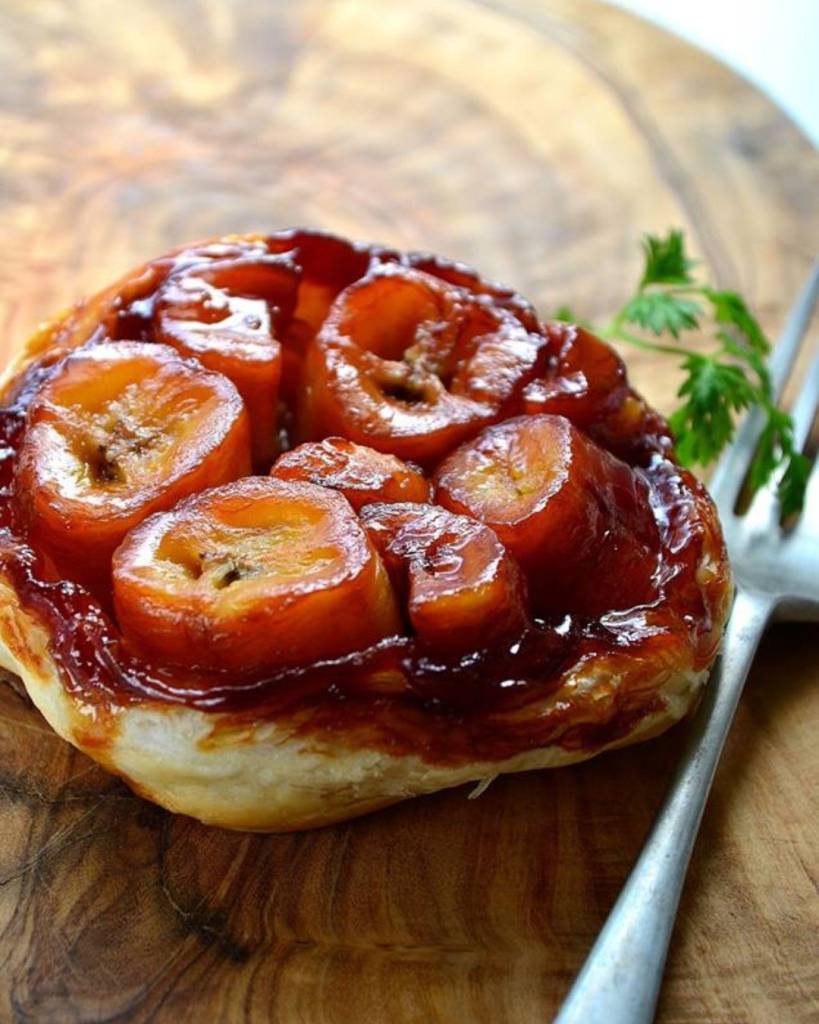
{"x": 681, "y": 289}
{"x": 616, "y": 331}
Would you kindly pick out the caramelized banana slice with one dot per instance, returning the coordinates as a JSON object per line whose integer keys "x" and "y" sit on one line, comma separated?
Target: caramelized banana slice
{"x": 363, "y": 475}
{"x": 258, "y": 575}
{"x": 465, "y": 277}
{"x": 120, "y": 430}
{"x": 327, "y": 265}
{"x": 585, "y": 381}
{"x": 577, "y": 519}
{"x": 413, "y": 366}
{"x": 463, "y": 589}
{"x": 229, "y": 314}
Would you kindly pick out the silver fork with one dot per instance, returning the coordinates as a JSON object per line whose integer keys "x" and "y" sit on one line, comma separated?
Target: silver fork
{"x": 777, "y": 575}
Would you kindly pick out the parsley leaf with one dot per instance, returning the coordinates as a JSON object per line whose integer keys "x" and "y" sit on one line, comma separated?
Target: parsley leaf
{"x": 659, "y": 312}
{"x": 776, "y": 437}
{"x": 704, "y": 424}
{"x": 749, "y": 356}
{"x": 718, "y": 385}
{"x": 776, "y": 448}
{"x": 565, "y": 314}
{"x": 793, "y": 484}
{"x": 730, "y": 308}
{"x": 666, "y": 261}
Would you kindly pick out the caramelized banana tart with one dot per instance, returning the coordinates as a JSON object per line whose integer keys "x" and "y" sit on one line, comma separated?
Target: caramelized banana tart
{"x": 294, "y": 528}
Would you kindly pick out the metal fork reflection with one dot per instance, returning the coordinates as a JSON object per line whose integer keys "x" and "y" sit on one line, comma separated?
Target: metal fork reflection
{"x": 777, "y": 575}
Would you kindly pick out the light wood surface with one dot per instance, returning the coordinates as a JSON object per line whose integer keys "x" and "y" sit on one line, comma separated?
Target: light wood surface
{"x": 536, "y": 140}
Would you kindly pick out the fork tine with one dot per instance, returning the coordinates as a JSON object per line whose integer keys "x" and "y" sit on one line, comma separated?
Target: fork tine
{"x": 794, "y": 330}
{"x": 804, "y": 408}
{"x": 764, "y": 513}
{"x": 809, "y": 523}
{"x": 730, "y": 472}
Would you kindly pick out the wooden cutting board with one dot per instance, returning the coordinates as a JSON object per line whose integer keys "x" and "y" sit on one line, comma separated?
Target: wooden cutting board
{"x": 537, "y": 140}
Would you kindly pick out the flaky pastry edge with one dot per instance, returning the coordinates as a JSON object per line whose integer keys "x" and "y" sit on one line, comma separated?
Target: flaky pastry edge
{"x": 262, "y": 776}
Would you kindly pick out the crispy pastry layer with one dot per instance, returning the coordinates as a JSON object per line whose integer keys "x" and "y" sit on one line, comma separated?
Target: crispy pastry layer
{"x": 263, "y": 777}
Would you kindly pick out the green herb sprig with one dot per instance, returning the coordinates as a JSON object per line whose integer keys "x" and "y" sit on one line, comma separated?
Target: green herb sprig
{"x": 719, "y": 385}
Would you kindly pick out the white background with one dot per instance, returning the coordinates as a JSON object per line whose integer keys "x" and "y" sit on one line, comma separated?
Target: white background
{"x": 774, "y": 43}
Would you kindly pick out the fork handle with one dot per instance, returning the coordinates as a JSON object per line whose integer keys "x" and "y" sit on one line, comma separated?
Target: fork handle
{"x": 620, "y": 980}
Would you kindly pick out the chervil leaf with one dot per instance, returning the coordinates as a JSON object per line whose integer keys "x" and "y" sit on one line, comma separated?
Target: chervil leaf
{"x": 730, "y": 308}
{"x": 666, "y": 261}
{"x": 565, "y": 314}
{"x": 719, "y": 385}
{"x": 775, "y": 437}
{"x": 704, "y": 424}
{"x": 776, "y": 448}
{"x": 750, "y": 356}
{"x": 793, "y": 484}
{"x": 660, "y": 312}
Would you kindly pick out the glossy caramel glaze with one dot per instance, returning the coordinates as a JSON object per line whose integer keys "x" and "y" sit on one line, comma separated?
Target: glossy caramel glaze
{"x": 404, "y": 694}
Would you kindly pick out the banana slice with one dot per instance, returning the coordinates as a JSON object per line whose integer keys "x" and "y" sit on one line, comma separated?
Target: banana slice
{"x": 463, "y": 589}
{"x": 362, "y": 474}
{"x": 413, "y": 366}
{"x": 261, "y": 574}
{"x": 119, "y": 431}
{"x": 229, "y": 314}
{"x": 327, "y": 265}
{"x": 578, "y": 520}
{"x": 463, "y": 276}
{"x": 585, "y": 380}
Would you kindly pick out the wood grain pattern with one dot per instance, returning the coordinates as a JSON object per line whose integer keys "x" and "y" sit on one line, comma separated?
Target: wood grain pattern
{"x": 536, "y": 140}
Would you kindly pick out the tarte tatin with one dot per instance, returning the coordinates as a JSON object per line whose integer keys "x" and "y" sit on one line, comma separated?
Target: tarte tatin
{"x": 295, "y": 528}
